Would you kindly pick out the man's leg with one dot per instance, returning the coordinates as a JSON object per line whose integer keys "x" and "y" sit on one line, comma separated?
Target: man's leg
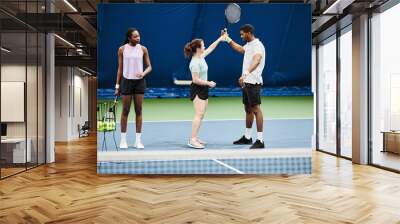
{"x": 259, "y": 117}
{"x": 255, "y": 102}
{"x": 249, "y": 121}
{"x": 259, "y": 143}
{"x": 249, "y": 116}
{"x": 246, "y": 138}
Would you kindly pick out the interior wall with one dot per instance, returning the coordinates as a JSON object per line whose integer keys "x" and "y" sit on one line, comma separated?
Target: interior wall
{"x": 71, "y": 102}
{"x": 61, "y": 103}
{"x": 33, "y": 127}
{"x": 16, "y": 72}
{"x": 80, "y": 102}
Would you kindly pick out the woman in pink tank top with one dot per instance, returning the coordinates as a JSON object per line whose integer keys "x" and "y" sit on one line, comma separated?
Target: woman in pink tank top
{"x": 131, "y": 82}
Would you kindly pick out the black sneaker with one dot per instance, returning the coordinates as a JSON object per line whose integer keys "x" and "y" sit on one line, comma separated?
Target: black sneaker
{"x": 243, "y": 141}
{"x": 257, "y": 145}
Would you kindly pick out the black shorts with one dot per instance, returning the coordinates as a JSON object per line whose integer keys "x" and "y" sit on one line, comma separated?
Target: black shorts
{"x": 251, "y": 94}
{"x": 198, "y": 90}
{"x": 132, "y": 86}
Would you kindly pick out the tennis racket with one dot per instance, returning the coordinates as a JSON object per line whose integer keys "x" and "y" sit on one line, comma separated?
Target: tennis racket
{"x": 182, "y": 82}
{"x": 232, "y": 14}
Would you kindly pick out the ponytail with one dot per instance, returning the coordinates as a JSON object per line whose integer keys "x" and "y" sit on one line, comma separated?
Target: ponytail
{"x": 187, "y": 51}
{"x": 190, "y": 48}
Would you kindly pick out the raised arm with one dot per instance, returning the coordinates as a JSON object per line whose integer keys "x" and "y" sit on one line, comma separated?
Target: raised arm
{"x": 212, "y": 47}
{"x": 235, "y": 46}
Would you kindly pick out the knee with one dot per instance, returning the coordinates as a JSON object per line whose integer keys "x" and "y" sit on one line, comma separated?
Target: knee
{"x": 255, "y": 110}
{"x": 138, "y": 111}
{"x": 125, "y": 111}
{"x": 248, "y": 110}
{"x": 200, "y": 116}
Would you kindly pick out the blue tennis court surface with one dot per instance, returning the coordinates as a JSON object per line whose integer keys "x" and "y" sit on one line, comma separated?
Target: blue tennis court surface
{"x": 288, "y": 149}
{"x": 219, "y": 134}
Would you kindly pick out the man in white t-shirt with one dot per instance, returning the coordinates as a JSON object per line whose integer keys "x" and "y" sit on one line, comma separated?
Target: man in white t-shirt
{"x": 251, "y": 82}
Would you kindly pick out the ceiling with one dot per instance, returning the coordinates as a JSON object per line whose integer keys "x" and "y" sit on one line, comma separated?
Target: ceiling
{"x": 76, "y": 20}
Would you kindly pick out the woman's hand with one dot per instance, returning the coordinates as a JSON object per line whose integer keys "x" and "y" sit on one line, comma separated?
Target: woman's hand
{"x": 117, "y": 92}
{"x": 225, "y": 36}
{"x": 222, "y": 38}
{"x": 140, "y": 75}
{"x": 211, "y": 84}
{"x": 224, "y": 32}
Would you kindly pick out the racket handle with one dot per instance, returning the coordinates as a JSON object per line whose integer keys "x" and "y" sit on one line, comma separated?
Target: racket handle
{"x": 115, "y": 99}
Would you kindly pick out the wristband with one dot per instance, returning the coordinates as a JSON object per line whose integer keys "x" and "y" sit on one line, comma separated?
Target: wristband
{"x": 228, "y": 40}
{"x": 246, "y": 73}
{"x": 117, "y": 86}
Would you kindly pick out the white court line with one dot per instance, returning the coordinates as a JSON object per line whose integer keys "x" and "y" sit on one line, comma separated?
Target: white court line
{"x": 215, "y": 120}
{"x": 227, "y": 166}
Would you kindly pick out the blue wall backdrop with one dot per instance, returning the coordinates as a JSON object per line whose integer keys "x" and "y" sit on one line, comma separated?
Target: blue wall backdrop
{"x": 285, "y": 30}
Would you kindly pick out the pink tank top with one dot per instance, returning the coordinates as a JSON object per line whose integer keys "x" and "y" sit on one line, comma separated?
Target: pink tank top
{"x": 133, "y": 61}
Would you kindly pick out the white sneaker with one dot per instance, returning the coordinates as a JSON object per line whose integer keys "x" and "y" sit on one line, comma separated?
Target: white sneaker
{"x": 202, "y": 142}
{"x": 195, "y": 144}
{"x": 123, "y": 144}
{"x": 139, "y": 145}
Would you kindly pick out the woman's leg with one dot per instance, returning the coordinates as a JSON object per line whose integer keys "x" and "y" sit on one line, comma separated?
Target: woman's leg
{"x": 200, "y": 109}
{"x": 198, "y": 139}
{"x": 138, "y": 101}
{"x": 126, "y": 105}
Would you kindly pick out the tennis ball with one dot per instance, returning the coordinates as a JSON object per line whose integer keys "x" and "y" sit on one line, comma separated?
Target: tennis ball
{"x": 101, "y": 126}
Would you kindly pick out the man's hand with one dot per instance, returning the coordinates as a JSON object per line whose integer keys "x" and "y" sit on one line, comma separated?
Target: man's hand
{"x": 241, "y": 81}
{"x": 223, "y": 32}
{"x": 225, "y": 36}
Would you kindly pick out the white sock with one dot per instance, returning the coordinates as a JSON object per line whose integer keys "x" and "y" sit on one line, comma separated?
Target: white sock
{"x": 138, "y": 137}
{"x": 247, "y": 133}
{"x": 123, "y": 136}
{"x": 260, "y": 136}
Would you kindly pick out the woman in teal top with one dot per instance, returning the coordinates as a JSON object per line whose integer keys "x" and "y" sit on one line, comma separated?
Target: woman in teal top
{"x": 200, "y": 84}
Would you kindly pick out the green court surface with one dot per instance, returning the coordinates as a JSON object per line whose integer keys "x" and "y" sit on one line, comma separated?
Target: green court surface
{"x": 274, "y": 107}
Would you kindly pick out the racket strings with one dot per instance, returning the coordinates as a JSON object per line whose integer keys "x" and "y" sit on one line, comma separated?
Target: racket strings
{"x": 232, "y": 13}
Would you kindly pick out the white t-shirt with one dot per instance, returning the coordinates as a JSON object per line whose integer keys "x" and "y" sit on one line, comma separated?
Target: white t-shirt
{"x": 250, "y": 49}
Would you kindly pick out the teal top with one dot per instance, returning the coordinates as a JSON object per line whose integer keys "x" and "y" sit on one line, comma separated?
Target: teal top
{"x": 199, "y": 65}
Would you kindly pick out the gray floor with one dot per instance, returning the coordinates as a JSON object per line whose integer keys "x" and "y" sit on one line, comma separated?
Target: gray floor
{"x": 291, "y": 133}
